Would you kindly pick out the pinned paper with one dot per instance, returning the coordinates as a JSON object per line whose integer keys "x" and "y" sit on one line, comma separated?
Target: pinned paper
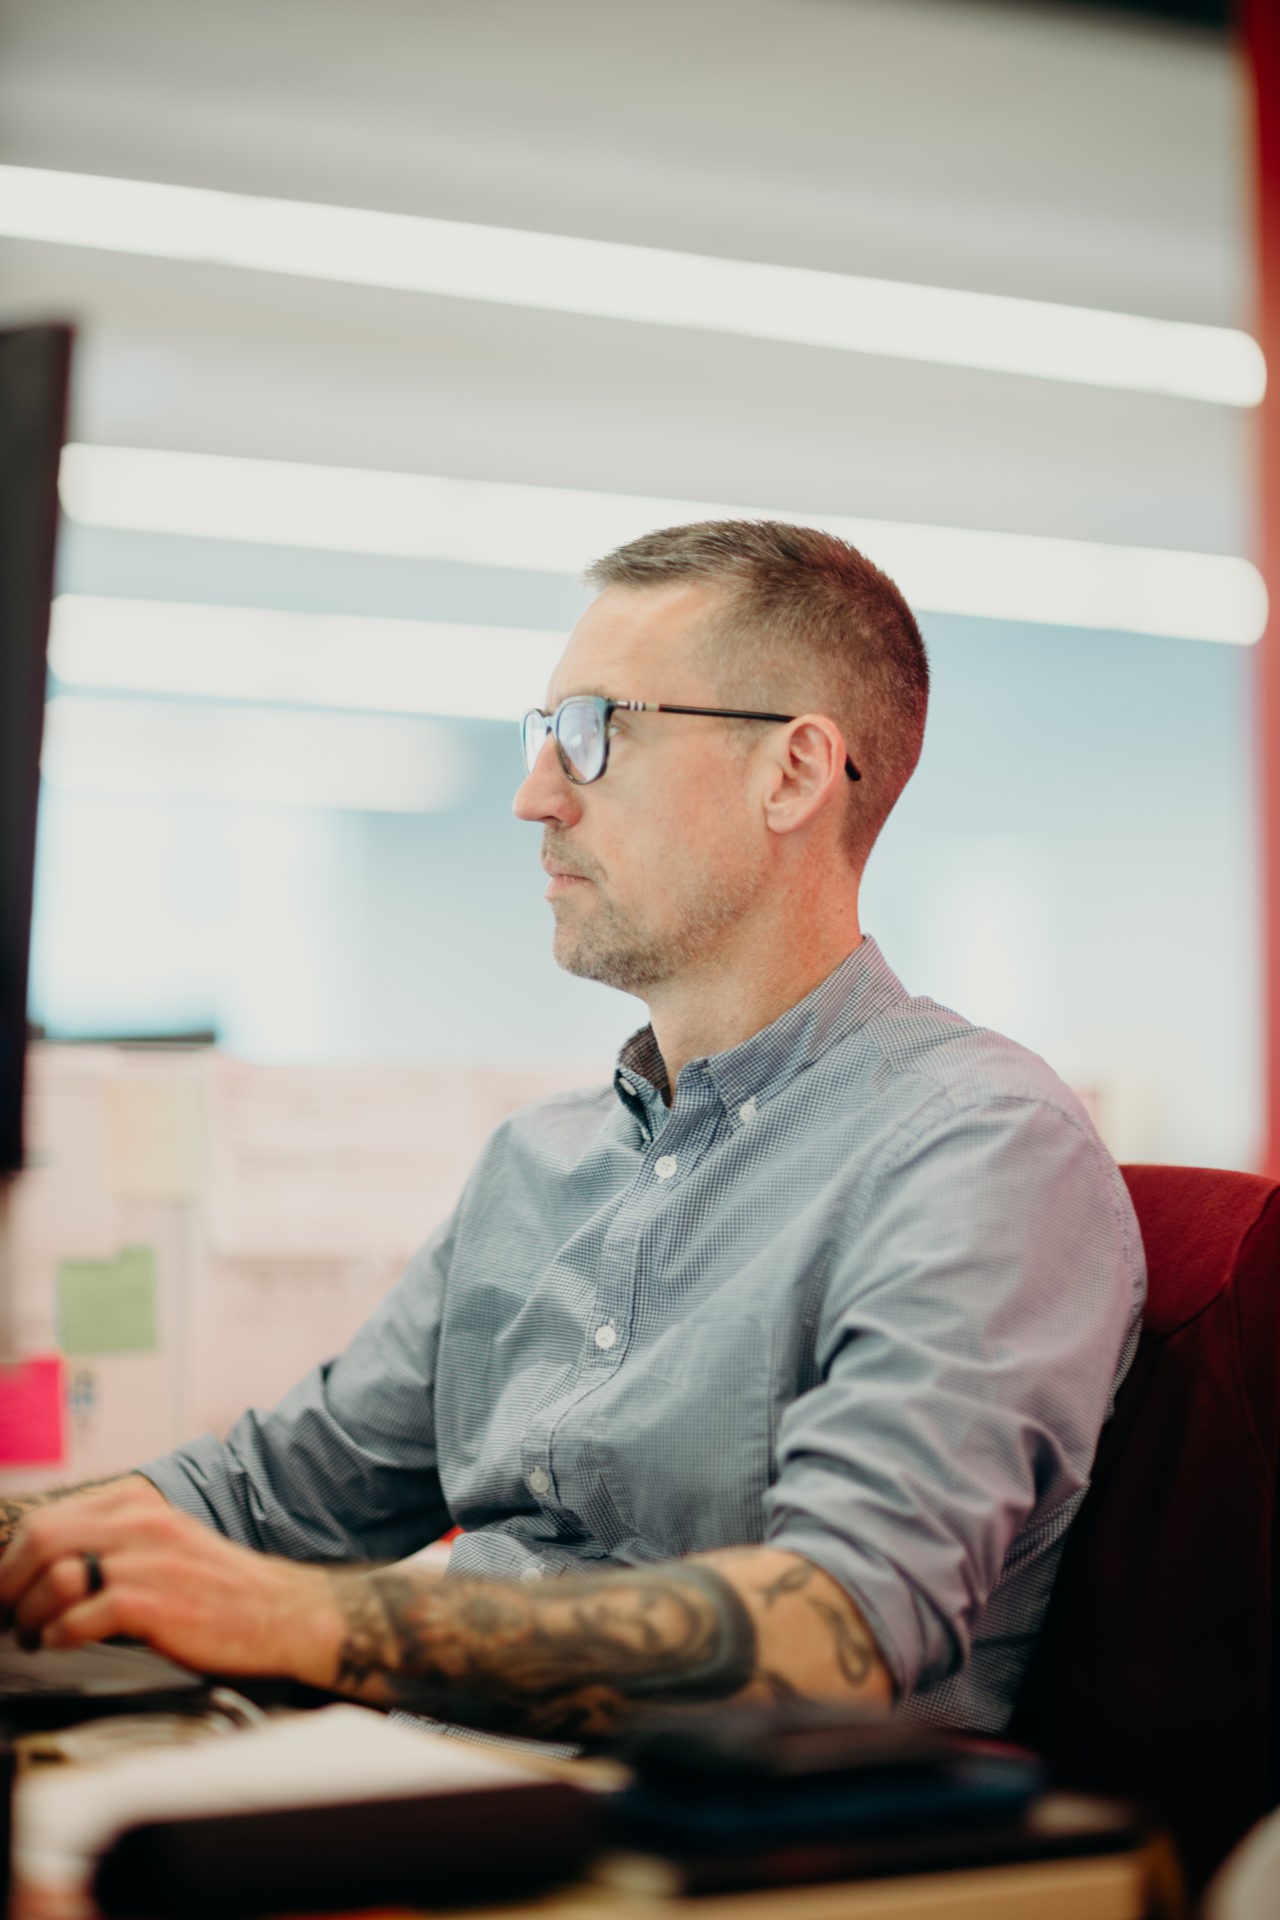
{"x": 108, "y": 1306}
{"x": 31, "y": 1425}
{"x": 253, "y": 1327}
{"x": 332, "y": 1162}
{"x": 155, "y": 1137}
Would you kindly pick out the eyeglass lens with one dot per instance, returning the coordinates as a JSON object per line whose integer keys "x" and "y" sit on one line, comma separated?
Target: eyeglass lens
{"x": 579, "y": 728}
{"x": 534, "y": 729}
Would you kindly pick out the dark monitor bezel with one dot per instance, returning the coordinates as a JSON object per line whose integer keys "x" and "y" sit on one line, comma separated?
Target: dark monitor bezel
{"x": 35, "y": 368}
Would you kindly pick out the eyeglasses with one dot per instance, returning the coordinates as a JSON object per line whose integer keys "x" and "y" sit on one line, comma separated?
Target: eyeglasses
{"x": 580, "y": 728}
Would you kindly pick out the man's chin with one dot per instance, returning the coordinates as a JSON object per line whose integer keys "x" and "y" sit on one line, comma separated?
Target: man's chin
{"x": 629, "y": 972}
{"x": 573, "y": 956}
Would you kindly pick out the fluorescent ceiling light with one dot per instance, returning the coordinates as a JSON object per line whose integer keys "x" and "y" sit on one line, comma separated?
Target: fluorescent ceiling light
{"x": 562, "y": 274}
{"x": 300, "y": 659}
{"x": 165, "y": 750}
{"x": 1005, "y": 576}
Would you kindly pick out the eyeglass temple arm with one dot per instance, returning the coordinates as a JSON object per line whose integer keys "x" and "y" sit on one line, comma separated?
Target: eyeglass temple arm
{"x": 720, "y": 713}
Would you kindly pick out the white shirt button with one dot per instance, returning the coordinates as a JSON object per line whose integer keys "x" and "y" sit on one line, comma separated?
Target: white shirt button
{"x": 666, "y": 1166}
{"x": 747, "y": 1111}
{"x": 539, "y": 1481}
{"x": 607, "y": 1335}
{"x": 626, "y": 1086}
{"x": 532, "y": 1572}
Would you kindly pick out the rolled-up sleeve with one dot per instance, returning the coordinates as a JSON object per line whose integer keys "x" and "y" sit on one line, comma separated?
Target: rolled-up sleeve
{"x": 345, "y": 1467}
{"x": 968, "y": 1347}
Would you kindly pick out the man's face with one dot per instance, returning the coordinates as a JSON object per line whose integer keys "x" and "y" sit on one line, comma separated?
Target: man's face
{"x": 654, "y": 867}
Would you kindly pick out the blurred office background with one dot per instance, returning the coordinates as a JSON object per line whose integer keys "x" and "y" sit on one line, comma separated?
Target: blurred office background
{"x": 337, "y": 882}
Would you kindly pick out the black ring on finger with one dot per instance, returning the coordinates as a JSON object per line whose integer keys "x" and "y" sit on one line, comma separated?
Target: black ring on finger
{"x": 93, "y": 1573}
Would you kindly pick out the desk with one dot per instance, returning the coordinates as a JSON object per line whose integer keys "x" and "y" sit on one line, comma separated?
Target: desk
{"x": 1138, "y": 1884}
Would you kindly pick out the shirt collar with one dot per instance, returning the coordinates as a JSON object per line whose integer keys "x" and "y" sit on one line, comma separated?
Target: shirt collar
{"x": 862, "y": 986}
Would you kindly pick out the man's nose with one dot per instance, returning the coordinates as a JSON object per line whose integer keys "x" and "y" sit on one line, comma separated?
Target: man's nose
{"x": 547, "y": 793}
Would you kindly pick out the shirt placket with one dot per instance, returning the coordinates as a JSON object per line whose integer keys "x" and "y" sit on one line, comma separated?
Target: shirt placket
{"x": 676, "y": 1141}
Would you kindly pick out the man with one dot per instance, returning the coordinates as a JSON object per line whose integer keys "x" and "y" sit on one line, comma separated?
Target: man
{"x": 775, "y": 1368}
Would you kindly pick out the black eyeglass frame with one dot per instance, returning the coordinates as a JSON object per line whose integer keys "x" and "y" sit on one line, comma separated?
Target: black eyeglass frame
{"x": 606, "y": 710}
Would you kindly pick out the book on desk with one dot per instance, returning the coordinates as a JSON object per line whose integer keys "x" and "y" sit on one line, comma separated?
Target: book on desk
{"x": 341, "y": 1807}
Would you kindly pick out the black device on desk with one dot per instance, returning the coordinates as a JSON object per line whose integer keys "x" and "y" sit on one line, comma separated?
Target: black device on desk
{"x": 730, "y": 1800}
{"x": 61, "y": 1686}
{"x": 56, "y": 1686}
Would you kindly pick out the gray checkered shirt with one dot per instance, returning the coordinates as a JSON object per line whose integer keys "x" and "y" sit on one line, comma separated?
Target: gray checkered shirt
{"x": 864, "y": 1292}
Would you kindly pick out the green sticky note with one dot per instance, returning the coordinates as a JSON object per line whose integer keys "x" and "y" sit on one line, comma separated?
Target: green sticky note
{"x": 108, "y": 1306}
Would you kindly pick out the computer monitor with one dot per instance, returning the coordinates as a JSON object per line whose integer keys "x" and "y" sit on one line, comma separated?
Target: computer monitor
{"x": 35, "y": 365}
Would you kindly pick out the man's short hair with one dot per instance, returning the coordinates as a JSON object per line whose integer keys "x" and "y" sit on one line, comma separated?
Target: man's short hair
{"x": 808, "y": 624}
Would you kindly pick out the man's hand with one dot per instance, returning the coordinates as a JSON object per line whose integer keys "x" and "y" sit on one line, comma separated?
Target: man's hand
{"x": 167, "y": 1580}
{"x": 14, "y": 1510}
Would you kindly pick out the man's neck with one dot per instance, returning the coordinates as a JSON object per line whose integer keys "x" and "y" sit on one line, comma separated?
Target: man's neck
{"x": 723, "y": 1006}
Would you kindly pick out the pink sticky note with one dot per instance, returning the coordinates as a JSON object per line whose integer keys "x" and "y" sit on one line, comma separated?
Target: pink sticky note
{"x": 31, "y": 1426}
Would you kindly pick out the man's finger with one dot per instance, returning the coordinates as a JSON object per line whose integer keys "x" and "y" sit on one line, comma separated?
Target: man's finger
{"x": 53, "y": 1533}
{"x": 96, "y": 1619}
{"x": 62, "y": 1585}
{"x": 33, "y": 1547}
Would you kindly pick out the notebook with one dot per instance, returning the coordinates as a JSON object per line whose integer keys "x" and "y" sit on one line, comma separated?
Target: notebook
{"x": 319, "y": 1810}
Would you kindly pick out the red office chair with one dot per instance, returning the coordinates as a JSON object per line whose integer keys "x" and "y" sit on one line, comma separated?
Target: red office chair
{"x": 1156, "y": 1675}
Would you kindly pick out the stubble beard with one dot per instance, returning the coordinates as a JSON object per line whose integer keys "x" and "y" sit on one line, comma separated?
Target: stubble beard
{"x": 605, "y": 945}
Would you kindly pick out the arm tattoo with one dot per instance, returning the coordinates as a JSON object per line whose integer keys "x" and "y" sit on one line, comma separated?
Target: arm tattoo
{"x": 854, "y": 1653}
{"x": 779, "y": 1688}
{"x": 364, "y": 1639}
{"x": 790, "y": 1580}
{"x": 568, "y": 1656}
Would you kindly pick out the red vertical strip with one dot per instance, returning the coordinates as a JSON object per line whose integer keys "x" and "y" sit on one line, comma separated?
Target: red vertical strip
{"x": 1262, "y": 20}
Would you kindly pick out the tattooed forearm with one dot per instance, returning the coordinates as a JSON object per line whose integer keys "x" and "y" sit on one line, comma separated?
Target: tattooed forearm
{"x": 576, "y": 1656}
{"x": 569, "y": 1655}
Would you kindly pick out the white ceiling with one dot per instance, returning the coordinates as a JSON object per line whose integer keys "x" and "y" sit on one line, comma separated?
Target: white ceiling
{"x": 961, "y": 144}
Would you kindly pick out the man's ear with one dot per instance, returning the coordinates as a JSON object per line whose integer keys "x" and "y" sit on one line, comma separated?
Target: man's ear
{"x": 806, "y": 771}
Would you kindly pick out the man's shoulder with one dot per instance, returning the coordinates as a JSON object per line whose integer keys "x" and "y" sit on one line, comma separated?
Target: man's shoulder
{"x": 937, "y": 1063}
{"x": 966, "y": 1104}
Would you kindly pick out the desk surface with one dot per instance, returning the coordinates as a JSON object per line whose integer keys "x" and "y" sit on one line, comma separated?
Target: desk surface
{"x": 1138, "y": 1884}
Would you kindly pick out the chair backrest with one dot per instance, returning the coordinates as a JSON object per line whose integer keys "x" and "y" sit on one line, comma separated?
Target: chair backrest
{"x": 1155, "y": 1675}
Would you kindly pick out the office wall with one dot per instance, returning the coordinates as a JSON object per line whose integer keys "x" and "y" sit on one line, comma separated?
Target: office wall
{"x": 195, "y": 1232}
{"x": 1074, "y": 864}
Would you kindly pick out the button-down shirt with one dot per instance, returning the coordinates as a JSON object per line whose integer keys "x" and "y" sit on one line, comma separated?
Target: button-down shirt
{"x": 863, "y": 1291}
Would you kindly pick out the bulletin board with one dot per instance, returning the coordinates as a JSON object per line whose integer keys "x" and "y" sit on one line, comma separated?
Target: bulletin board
{"x": 194, "y": 1232}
